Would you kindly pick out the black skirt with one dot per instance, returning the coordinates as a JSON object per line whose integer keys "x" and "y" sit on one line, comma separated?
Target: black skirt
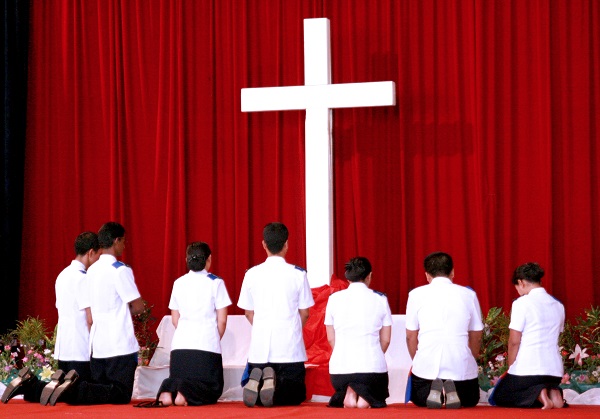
{"x": 522, "y": 390}
{"x": 197, "y": 375}
{"x": 371, "y": 386}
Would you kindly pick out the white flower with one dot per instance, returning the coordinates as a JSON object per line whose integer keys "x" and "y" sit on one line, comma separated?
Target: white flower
{"x": 500, "y": 358}
{"x": 46, "y": 373}
{"x": 47, "y": 351}
{"x": 578, "y": 355}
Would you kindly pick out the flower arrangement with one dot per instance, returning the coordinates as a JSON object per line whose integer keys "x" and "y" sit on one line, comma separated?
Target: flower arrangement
{"x": 143, "y": 325}
{"x": 29, "y": 345}
{"x": 492, "y": 359}
{"x": 579, "y": 345}
{"x": 580, "y": 349}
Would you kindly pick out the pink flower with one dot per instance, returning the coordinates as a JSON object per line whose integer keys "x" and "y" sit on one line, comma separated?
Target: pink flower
{"x": 25, "y": 359}
{"x": 7, "y": 347}
{"x": 566, "y": 379}
{"x": 8, "y": 368}
{"x": 578, "y": 355}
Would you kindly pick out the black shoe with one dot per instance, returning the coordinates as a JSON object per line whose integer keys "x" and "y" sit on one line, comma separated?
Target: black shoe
{"x": 268, "y": 389}
{"x": 452, "y": 399}
{"x": 57, "y": 379}
{"x": 434, "y": 400}
{"x": 67, "y": 384}
{"x": 250, "y": 393}
{"x": 15, "y": 387}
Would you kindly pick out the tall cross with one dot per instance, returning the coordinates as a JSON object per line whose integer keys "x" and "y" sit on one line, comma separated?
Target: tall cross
{"x": 318, "y": 97}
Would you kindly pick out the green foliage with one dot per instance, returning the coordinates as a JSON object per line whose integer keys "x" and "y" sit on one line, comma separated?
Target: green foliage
{"x": 144, "y": 328}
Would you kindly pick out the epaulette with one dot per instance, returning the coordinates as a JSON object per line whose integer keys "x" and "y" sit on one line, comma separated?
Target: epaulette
{"x": 383, "y": 294}
{"x": 300, "y": 268}
{"x": 213, "y": 276}
{"x": 82, "y": 271}
{"x": 555, "y": 298}
{"x": 469, "y": 288}
{"x": 118, "y": 264}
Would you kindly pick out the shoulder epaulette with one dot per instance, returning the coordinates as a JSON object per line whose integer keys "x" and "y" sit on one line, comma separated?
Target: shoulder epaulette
{"x": 118, "y": 264}
{"x": 383, "y": 294}
{"x": 300, "y": 268}
{"x": 213, "y": 276}
{"x": 469, "y": 288}
{"x": 82, "y": 271}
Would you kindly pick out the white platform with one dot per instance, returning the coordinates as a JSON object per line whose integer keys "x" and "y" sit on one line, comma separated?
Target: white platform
{"x": 235, "y": 349}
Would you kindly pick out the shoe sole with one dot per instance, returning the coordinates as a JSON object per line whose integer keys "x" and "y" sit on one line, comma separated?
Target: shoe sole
{"x": 268, "y": 389}
{"x": 57, "y": 380}
{"x": 250, "y": 392}
{"x": 452, "y": 399}
{"x": 70, "y": 379}
{"x": 434, "y": 399}
{"x": 23, "y": 377}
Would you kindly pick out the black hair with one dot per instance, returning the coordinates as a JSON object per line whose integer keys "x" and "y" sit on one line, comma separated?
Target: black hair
{"x": 275, "y": 235}
{"x": 438, "y": 264}
{"x": 357, "y": 269}
{"x": 197, "y": 254}
{"x": 109, "y": 232}
{"x": 529, "y": 271}
{"x": 85, "y": 242}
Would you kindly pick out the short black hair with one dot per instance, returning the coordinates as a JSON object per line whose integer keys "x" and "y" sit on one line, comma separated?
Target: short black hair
{"x": 85, "y": 242}
{"x": 275, "y": 235}
{"x": 109, "y": 232}
{"x": 438, "y": 264}
{"x": 197, "y": 254}
{"x": 357, "y": 269}
{"x": 530, "y": 271}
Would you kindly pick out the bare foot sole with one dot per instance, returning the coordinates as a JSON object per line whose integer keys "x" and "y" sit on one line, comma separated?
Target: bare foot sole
{"x": 351, "y": 399}
{"x": 166, "y": 399}
{"x": 545, "y": 400}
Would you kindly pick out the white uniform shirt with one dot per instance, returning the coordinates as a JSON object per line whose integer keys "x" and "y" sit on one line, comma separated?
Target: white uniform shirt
{"x": 197, "y": 296}
{"x": 357, "y": 314}
{"x": 72, "y": 298}
{"x": 443, "y": 313}
{"x": 276, "y": 290}
{"x": 540, "y": 318}
{"x": 112, "y": 288}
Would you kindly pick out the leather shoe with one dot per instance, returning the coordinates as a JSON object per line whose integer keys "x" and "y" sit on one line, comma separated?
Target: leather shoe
{"x": 70, "y": 379}
{"x": 15, "y": 387}
{"x": 250, "y": 393}
{"x": 268, "y": 388}
{"x": 57, "y": 379}
{"x": 434, "y": 400}
{"x": 452, "y": 399}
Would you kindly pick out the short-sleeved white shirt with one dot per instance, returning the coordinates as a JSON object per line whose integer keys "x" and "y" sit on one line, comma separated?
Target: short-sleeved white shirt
{"x": 540, "y": 318}
{"x": 72, "y": 334}
{"x": 112, "y": 287}
{"x": 443, "y": 313}
{"x": 275, "y": 291}
{"x": 197, "y": 296}
{"x": 357, "y": 315}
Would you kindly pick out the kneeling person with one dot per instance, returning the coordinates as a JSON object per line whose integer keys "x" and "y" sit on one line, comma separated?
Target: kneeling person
{"x": 359, "y": 329}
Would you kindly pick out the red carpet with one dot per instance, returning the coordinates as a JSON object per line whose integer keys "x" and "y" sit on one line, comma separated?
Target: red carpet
{"x": 20, "y": 409}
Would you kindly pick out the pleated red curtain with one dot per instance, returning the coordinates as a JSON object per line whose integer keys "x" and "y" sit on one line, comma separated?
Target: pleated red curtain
{"x": 490, "y": 153}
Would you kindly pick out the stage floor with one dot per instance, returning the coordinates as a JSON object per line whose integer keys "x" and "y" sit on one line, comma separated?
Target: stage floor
{"x": 234, "y": 410}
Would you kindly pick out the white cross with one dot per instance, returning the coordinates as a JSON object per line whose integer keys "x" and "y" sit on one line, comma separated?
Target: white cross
{"x": 318, "y": 96}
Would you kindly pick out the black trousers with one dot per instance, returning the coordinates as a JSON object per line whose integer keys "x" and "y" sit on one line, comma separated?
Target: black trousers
{"x": 290, "y": 386}
{"x": 467, "y": 390}
{"x": 33, "y": 392}
{"x": 112, "y": 381}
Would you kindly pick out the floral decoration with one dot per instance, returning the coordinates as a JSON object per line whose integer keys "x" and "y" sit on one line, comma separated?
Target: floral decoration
{"x": 579, "y": 346}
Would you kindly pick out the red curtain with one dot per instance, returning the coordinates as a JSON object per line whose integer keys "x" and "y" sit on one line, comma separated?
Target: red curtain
{"x": 490, "y": 154}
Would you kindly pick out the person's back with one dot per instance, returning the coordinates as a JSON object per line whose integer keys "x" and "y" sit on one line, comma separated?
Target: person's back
{"x": 111, "y": 290}
{"x": 361, "y": 313}
{"x": 542, "y": 317}
{"x": 276, "y": 297}
{"x": 444, "y": 320}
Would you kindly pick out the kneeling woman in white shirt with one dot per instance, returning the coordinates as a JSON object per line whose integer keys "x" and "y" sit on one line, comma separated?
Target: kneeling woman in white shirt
{"x": 359, "y": 328}
{"x": 535, "y": 365}
{"x": 199, "y": 302}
